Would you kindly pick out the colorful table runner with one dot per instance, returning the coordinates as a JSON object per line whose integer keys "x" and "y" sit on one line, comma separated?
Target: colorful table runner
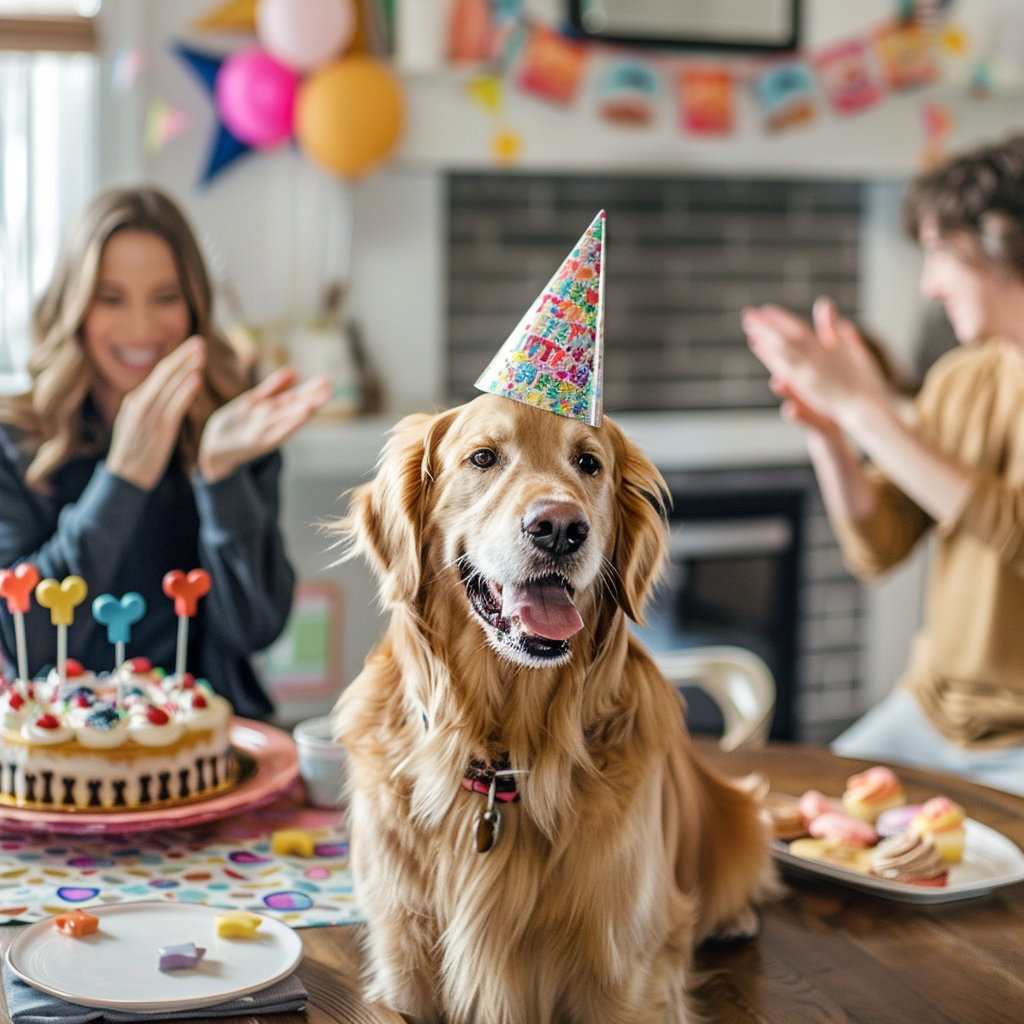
{"x": 223, "y": 864}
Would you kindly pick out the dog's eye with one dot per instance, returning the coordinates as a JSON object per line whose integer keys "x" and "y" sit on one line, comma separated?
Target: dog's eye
{"x": 588, "y": 464}
{"x": 483, "y": 459}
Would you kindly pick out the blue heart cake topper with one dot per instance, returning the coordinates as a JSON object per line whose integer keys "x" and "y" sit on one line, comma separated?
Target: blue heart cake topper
{"x": 119, "y": 616}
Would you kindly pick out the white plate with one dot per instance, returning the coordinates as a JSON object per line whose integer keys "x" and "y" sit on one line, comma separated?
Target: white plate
{"x": 990, "y": 861}
{"x": 116, "y": 968}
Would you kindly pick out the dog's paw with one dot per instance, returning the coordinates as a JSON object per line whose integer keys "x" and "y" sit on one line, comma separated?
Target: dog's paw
{"x": 745, "y": 925}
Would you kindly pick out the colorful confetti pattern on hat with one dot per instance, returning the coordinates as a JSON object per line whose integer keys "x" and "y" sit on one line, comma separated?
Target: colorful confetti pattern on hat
{"x": 554, "y": 357}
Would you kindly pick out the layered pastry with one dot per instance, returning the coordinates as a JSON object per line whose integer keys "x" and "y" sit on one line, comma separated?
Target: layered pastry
{"x": 872, "y": 792}
{"x": 785, "y": 817}
{"x": 133, "y": 740}
{"x": 834, "y": 851}
{"x": 843, "y": 828}
{"x": 943, "y": 820}
{"x": 911, "y": 858}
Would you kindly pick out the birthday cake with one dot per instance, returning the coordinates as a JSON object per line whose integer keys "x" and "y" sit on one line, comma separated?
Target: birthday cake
{"x": 137, "y": 738}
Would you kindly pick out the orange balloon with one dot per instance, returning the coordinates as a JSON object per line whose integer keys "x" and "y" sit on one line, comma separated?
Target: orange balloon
{"x": 349, "y": 115}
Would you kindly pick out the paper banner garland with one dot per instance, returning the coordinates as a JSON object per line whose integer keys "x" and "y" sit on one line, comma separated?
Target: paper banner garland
{"x": 551, "y": 66}
{"x": 164, "y": 123}
{"x": 506, "y": 146}
{"x": 906, "y": 56}
{"x": 226, "y": 148}
{"x": 488, "y": 91}
{"x": 846, "y": 77}
{"x": 707, "y": 100}
{"x": 125, "y": 67}
{"x": 554, "y": 358}
{"x": 786, "y": 95}
{"x": 627, "y": 93}
{"x": 235, "y": 16}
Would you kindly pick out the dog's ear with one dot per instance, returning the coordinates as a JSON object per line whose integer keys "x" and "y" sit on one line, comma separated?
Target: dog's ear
{"x": 641, "y": 537}
{"x": 386, "y": 516}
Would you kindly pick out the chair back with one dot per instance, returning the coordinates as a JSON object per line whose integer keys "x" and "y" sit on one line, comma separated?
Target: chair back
{"x": 736, "y": 679}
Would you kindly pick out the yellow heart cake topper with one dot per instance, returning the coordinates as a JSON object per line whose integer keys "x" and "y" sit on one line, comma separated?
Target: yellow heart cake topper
{"x": 62, "y": 598}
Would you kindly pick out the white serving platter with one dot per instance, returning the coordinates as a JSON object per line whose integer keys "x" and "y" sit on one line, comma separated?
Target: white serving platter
{"x": 990, "y": 862}
{"x": 116, "y": 968}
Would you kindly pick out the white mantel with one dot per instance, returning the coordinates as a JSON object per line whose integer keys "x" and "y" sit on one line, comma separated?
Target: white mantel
{"x": 347, "y": 451}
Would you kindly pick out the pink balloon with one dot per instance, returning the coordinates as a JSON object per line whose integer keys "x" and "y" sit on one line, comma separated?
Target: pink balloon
{"x": 256, "y": 98}
{"x": 304, "y": 34}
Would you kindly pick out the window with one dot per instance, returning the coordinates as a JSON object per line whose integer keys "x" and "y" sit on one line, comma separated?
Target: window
{"x": 48, "y": 154}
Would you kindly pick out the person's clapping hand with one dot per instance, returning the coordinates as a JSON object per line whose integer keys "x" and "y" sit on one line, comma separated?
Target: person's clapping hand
{"x": 822, "y": 371}
{"x": 149, "y": 419}
{"x": 258, "y": 421}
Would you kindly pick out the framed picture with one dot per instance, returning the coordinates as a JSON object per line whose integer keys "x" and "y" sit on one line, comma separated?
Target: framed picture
{"x": 691, "y": 24}
{"x": 305, "y": 662}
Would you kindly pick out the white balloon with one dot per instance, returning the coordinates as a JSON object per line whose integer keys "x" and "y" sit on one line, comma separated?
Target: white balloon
{"x": 304, "y": 34}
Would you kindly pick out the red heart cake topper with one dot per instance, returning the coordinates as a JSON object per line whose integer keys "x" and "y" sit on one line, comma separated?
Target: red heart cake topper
{"x": 186, "y": 590}
{"x": 17, "y": 585}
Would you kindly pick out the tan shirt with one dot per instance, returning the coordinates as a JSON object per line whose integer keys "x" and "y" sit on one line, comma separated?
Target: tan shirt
{"x": 967, "y": 665}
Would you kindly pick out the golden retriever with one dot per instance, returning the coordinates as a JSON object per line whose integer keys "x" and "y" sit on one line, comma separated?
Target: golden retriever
{"x": 511, "y": 544}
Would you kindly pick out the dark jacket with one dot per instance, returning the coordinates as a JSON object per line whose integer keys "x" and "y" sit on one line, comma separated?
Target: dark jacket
{"x": 119, "y": 538}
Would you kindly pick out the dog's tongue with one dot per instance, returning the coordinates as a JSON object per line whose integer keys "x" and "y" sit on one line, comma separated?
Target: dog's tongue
{"x": 543, "y": 607}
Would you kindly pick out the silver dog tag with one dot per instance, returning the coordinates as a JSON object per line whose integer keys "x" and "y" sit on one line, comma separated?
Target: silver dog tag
{"x": 485, "y": 830}
{"x": 487, "y": 826}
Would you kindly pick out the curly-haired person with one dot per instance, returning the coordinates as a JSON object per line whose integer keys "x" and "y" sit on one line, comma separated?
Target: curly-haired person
{"x": 957, "y": 467}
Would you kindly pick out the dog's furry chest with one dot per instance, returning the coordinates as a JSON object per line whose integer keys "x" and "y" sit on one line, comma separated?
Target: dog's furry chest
{"x": 587, "y": 901}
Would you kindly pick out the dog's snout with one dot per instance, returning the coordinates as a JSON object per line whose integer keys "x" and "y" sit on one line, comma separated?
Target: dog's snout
{"x": 558, "y": 528}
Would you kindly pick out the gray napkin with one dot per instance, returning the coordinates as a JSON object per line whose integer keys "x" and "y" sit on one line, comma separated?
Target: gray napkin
{"x": 27, "y": 1005}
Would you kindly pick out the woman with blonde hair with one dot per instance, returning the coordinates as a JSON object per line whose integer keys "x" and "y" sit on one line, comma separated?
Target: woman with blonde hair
{"x": 141, "y": 448}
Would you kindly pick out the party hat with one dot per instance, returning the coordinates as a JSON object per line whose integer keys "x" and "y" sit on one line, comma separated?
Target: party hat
{"x": 554, "y": 358}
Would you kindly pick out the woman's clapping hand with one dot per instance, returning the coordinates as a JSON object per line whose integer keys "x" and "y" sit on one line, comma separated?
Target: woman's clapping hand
{"x": 258, "y": 421}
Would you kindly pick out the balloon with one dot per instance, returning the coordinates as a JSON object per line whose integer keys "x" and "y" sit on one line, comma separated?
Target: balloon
{"x": 255, "y": 97}
{"x": 348, "y": 116}
{"x": 305, "y": 34}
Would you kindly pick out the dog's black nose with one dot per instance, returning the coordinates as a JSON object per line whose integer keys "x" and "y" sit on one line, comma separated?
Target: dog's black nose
{"x": 556, "y": 527}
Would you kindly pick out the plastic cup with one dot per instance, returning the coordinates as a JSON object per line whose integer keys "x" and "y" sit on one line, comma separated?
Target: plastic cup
{"x": 321, "y": 762}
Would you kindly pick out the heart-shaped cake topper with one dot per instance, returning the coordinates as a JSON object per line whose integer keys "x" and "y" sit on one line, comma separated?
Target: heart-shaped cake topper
{"x": 17, "y": 584}
{"x": 119, "y": 616}
{"x": 186, "y": 590}
{"x": 62, "y": 598}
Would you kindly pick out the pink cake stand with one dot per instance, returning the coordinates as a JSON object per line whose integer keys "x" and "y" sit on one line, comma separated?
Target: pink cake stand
{"x": 277, "y": 767}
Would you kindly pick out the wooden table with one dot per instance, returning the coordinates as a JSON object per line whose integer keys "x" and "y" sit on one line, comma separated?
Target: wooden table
{"x": 825, "y": 953}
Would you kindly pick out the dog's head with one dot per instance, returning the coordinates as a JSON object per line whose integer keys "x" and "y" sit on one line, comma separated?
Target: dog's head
{"x": 537, "y": 520}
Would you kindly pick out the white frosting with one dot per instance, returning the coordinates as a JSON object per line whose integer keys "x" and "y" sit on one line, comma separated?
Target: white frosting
{"x": 47, "y": 737}
{"x": 89, "y": 679}
{"x": 98, "y": 738}
{"x": 216, "y": 712}
{"x": 12, "y": 719}
{"x": 146, "y": 733}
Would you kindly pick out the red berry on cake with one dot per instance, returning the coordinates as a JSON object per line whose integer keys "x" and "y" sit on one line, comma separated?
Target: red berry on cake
{"x": 48, "y": 721}
{"x": 73, "y": 669}
{"x": 15, "y": 700}
{"x": 157, "y": 716}
{"x": 188, "y": 681}
{"x": 140, "y": 665}
{"x": 199, "y": 701}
